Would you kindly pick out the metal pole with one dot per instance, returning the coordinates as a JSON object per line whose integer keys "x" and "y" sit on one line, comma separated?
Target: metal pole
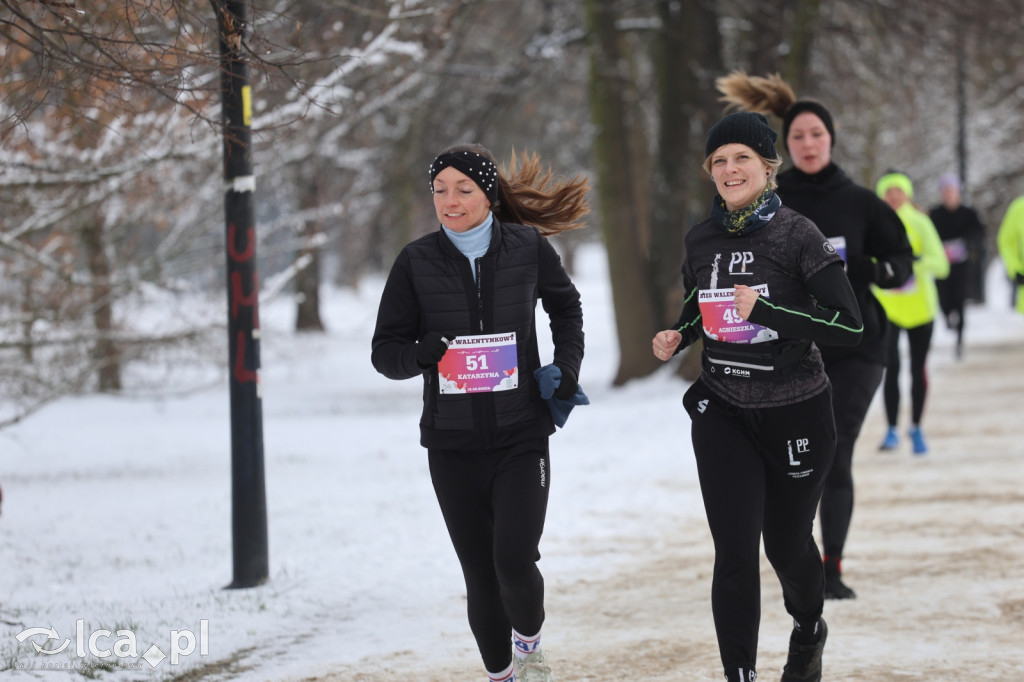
{"x": 979, "y": 253}
{"x": 961, "y": 106}
{"x": 248, "y": 486}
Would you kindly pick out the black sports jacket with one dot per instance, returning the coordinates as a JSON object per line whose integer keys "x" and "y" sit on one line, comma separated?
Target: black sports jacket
{"x": 431, "y": 288}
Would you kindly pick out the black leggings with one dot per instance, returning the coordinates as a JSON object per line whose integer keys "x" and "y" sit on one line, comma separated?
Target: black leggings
{"x": 761, "y": 472}
{"x": 854, "y": 383}
{"x": 920, "y": 339}
{"x": 494, "y": 503}
{"x": 952, "y": 297}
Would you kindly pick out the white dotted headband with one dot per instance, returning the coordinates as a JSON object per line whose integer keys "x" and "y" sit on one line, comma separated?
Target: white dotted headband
{"x": 473, "y": 165}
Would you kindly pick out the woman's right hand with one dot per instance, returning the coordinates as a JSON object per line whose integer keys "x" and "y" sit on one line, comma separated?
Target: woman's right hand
{"x": 665, "y": 343}
{"x": 432, "y": 348}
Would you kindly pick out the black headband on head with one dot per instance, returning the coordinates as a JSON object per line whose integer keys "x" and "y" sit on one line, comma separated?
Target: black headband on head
{"x": 473, "y": 165}
{"x": 816, "y": 108}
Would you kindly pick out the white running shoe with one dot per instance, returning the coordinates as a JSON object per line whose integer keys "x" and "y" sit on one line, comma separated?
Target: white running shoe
{"x": 533, "y": 668}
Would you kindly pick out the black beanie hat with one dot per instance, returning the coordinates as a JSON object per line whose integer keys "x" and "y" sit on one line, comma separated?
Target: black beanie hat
{"x": 743, "y": 127}
{"x": 816, "y": 108}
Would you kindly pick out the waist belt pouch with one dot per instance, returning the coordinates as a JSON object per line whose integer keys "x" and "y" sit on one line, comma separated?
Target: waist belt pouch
{"x": 769, "y": 359}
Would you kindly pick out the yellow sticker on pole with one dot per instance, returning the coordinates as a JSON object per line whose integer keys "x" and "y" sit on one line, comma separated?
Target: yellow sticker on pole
{"x": 247, "y": 105}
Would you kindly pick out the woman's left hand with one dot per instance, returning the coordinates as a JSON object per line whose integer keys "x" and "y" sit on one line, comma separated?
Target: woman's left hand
{"x": 745, "y": 298}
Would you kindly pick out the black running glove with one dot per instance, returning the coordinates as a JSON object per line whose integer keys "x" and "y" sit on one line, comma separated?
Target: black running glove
{"x": 431, "y": 349}
{"x": 567, "y": 387}
{"x": 1020, "y": 278}
{"x": 862, "y": 271}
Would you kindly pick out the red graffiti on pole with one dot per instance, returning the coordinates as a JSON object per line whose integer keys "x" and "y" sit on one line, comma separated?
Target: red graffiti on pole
{"x": 240, "y": 299}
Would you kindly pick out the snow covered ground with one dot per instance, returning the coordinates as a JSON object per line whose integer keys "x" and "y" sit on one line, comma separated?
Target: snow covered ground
{"x": 116, "y": 516}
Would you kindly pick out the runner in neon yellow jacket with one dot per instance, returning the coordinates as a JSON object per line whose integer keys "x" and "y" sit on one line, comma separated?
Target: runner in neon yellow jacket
{"x": 1011, "y": 247}
{"x": 917, "y": 301}
{"x": 911, "y": 308}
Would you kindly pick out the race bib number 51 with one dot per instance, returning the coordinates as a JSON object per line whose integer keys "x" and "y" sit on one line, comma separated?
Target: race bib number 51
{"x": 482, "y": 363}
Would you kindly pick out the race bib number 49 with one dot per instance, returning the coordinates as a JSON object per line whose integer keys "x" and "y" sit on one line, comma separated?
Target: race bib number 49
{"x": 721, "y": 321}
{"x": 482, "y": 363}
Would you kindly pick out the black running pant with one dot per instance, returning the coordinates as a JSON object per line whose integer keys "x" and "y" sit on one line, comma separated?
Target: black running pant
{"x": 920, "y": 339}
{"x": 761, "y": 472}
{"x": 952, "y": 296}
{"x": 854, "y": 383}
{"x": 494, "y": 503}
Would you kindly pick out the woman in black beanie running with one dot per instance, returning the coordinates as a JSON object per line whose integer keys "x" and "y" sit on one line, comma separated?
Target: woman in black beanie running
{"x": 872, "y": 240}
{"x": 763, "y": 285}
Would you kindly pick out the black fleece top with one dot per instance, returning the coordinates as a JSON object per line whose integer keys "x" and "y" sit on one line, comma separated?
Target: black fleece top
{"x": 431, "y": 287}
{"x": 804, "y": 297}
{"x": 877, "y": 250}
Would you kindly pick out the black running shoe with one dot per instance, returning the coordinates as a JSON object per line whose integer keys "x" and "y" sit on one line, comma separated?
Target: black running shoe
{"x": 835, "y": 588}
{"x": 804, "y": 661}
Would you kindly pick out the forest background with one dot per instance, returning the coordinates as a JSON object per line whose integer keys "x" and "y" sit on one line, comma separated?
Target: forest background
{"x": 111, "y": 187}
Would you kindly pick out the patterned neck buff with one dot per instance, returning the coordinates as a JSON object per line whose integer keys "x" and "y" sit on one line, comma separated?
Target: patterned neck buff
{"x": 749, "y": 218}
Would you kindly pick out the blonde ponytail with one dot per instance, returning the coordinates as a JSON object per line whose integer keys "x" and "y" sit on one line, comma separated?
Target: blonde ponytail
{"x": 761, "y": 94}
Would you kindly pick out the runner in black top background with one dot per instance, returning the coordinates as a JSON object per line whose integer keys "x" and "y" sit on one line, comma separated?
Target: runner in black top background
{"x": 963, "y": 236}
{"x": 763, "y": 285}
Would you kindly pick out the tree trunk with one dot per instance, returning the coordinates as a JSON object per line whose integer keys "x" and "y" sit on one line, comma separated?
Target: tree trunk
{"x": 796, "y": 69}
{"x": 28, "y": 315}
{"x": 307, "y": 282}
{"x": 105, "y": 352}
{"x": 687, "y": 106}
{"x": 618, "y": 169}
{"x": 669, "y": 198}
{"x": 307, "y": 278}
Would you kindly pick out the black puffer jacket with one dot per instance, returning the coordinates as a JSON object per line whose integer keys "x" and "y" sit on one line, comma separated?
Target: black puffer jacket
{"x": 431, "y": 288}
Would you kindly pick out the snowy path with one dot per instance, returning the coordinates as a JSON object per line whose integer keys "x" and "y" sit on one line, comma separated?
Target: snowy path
{"x": 936, "y": 554}
{"x": 116, "y": 514}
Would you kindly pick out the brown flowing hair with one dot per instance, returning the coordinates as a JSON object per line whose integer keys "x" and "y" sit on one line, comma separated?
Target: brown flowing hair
{"x": 759, "y": 94}
{"x": 529, "y": 194}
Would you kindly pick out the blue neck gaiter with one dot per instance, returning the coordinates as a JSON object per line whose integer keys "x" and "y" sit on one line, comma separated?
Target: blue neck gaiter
{"x": 474, "y": 242}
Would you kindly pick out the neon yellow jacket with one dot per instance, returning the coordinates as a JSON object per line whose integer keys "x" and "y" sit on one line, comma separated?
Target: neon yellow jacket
{"x": 1010, "y": 241}
{"x": 916, "y": 302}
